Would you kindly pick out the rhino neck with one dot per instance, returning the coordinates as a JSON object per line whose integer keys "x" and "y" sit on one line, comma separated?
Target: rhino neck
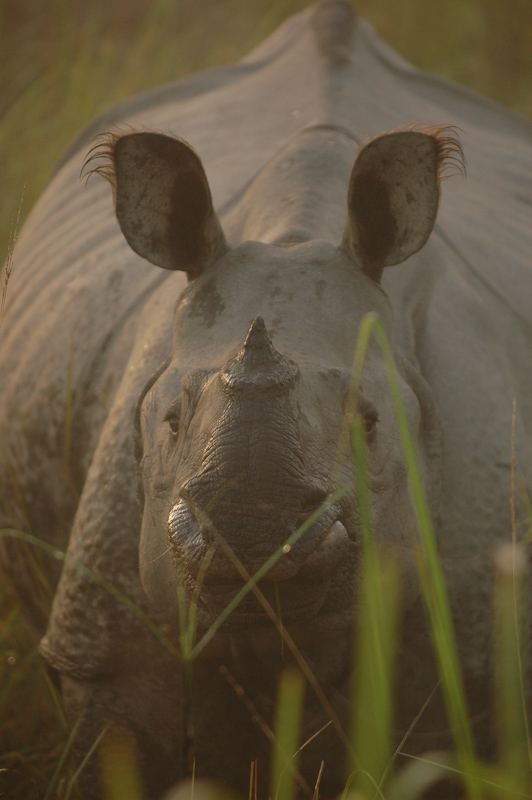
{"x": 300, "y": 195}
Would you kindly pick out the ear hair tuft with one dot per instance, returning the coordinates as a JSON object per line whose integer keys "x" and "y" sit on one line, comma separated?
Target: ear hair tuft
{"x": 450, "y": 153}
{"x": 103, "y": 152}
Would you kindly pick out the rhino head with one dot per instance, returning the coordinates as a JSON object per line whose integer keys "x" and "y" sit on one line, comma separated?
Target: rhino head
{"x": 239, "y": 430}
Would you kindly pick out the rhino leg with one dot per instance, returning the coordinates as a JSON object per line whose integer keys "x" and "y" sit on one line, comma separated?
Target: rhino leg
{"x": 145, "y": 704}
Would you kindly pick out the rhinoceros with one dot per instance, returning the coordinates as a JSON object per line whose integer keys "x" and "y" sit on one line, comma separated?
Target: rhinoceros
{"x": 176, "y": 426}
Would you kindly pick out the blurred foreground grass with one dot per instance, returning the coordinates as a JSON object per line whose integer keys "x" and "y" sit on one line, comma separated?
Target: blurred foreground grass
{"x": 62, "y": 62}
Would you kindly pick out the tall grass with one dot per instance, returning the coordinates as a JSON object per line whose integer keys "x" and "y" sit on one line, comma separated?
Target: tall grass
{"x": 62, "y": 62}
{"x": 373, "y": 773}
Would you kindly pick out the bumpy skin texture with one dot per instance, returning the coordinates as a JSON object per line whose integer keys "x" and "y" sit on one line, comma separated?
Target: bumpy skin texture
{"x": 206, "y": 415}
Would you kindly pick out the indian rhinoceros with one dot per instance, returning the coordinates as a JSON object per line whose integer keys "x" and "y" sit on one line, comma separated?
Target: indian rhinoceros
{"x": 177, "y": 425}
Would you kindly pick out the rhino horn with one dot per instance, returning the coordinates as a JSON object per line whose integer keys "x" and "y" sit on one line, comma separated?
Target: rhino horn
{"x": 258, "y": 365}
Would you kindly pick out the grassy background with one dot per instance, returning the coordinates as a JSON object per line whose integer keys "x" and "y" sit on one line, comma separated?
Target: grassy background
{"x": 62, "y": 62}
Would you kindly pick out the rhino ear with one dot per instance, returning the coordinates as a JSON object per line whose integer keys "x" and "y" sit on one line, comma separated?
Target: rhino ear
{"x": 393, "y": 195}
{"x": 162, "y": 198}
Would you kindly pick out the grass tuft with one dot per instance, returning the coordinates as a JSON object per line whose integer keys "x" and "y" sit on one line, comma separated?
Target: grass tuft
{"x": 8, "y": 266}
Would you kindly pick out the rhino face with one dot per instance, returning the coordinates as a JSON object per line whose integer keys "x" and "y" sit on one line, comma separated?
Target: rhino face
{"x": 241, "y": 437}
{"x": 240, "y": 432}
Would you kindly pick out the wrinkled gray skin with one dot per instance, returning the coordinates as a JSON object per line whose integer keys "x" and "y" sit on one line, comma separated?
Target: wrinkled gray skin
{"x": 224, "y": 396}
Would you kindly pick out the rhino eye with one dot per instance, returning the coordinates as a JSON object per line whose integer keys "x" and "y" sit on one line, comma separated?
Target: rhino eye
{"x": 370, "y": 424}
{"x": 173, "y": 421}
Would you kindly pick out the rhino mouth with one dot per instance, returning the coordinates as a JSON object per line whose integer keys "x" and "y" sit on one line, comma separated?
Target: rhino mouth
{"x": 295, "y": 586}
{"x": 290, "y": 602}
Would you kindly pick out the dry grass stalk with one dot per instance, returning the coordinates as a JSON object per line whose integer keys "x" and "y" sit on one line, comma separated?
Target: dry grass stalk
{"x": 10, "y": 251}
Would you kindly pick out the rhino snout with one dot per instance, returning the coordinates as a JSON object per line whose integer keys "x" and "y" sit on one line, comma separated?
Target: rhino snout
{"x": 313, "y": 555}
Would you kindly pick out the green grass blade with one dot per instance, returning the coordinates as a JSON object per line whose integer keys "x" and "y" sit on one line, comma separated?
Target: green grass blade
{"x": 374, "y": 651}
{"x": 59, "y": 767}
{"x": 119, "y": 767}
{"x": 511, "y": 690}
{"x": 287, "y": 732}
{"x": 429, "y": 568}
{"x": 372, "y": 724}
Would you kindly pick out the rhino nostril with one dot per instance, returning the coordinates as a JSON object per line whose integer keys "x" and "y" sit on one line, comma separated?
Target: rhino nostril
{"x": 187, "y": 512}
{"x": 185, "y": 494}
{"x": 311, "y": 503}
{"x": 204, "y": 523}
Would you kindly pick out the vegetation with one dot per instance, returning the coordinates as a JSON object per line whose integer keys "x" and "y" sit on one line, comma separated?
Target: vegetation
{"x": 62, "y": 62}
